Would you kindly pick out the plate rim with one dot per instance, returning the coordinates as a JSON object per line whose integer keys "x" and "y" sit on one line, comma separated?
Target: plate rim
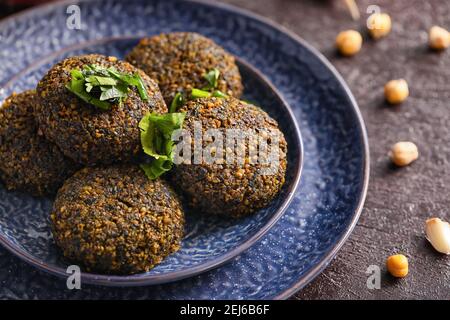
{"x": 323, "y": 263}
{"x": 141, "y": 279}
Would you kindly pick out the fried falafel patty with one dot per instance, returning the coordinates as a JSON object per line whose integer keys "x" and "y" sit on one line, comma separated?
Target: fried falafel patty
{"x": 178, "y": 62}
{"x": 29, "y": 162}
{"x": 220, "y": 187}
{"x": 115, "y": 220}
{"x": 85, "y": 133}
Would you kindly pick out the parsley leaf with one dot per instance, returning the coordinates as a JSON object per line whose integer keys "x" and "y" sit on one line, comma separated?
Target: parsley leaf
{"x": 132, "y": 80}
{"x": 157, "y": 168}
{"x": 100, "y": 81}
{"x": 219, "y": 94}
{"x": 197, "y": 93}
{"x": 212, "y": 78}
{"x": 177, "y": 102}
{"x": 77, "y": 87}
{"x": 112, "y": 93}
{"x": 103, "y": 87}
{"x": 156, "y": 140}
{"x": 210, "y": 90}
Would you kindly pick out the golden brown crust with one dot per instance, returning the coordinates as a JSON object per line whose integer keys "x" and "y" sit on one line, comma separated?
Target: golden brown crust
{"x": 229, "y": 189}
{"x": 28, "y": 162}
{"x": 83, "y": 132}
{"x": 115, "y": 220}
{"x": 178, "y": 61}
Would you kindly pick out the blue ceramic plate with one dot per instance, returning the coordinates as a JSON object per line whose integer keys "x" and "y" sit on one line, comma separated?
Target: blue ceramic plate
{"x": 325, "y": 207}
{"x": 210, "y": 240}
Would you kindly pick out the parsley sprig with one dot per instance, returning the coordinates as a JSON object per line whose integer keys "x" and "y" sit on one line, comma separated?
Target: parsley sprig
{"x": 177, "y": 102}
{"x": 210, "y": 90}
{"x": 212, "y": 77}
{"x": 157, "y": 130}
{"x": 156, "y": 140}
{"x": 103, "y": 87}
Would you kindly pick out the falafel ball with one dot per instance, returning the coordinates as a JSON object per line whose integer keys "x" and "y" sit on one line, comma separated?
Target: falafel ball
{"x": 233, "y": 188}
{"x": 178, "y": 62}
{"x": 28, "y": 162}
{"x": 115, "y": 220}
{"x": 85, "y": 133}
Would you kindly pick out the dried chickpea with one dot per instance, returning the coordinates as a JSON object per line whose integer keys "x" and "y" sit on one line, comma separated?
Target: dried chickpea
{"x": 439, "y": 38}
{"x": 349, "y": 42}
{"x": 379, "y": 25}
{"x": 396, "y": 91}
{"x": 438, "y": 234}
{"x": 397, "y": 265}
{"x": 404, "y": 153}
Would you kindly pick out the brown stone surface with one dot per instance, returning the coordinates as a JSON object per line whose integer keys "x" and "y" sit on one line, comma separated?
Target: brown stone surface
{"x": 399, "y": 200}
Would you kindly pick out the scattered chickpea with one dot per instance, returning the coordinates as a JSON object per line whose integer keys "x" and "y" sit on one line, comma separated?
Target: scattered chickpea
{"x": 349, "y": 42}
{"x": 396, "y": 91}
{"x": 438, "y": 234}
{"x": 439, "y": 38}
{"x": 397, "y": 265}
{"x": 379, "y": 25}
{"x": 404, "y": 153}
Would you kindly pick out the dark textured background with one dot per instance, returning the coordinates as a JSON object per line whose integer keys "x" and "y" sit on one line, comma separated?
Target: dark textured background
{"x": 399, "y": 200}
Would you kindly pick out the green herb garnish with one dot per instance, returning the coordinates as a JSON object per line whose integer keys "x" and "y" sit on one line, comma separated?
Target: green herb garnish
{"x": 78, "y": 87}
{"x": 249, "y": 102}
{"x": 197, "y": 94}
{"x": 156, "y": 140}
{"x": 103, "y": 87}
{"x": 213, "y": 79}
{"x": 210, "y": 90}
{"x": 219, "y": 94}
{"x": 177, "y": 102}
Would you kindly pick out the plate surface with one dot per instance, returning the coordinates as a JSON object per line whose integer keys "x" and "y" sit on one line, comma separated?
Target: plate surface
{"x": 335, "y": 172}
